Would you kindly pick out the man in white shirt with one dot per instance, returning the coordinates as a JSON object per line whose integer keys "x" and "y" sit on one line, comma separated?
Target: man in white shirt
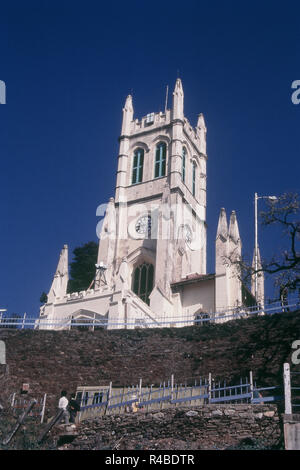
{"x": 63, "y": 404}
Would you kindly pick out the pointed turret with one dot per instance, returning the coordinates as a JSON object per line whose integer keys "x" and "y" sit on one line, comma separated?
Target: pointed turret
{"x": 234, "y": 255}
{"x": 178, "y": 100}
{"x": 234, "y": 241}
{"x": 222, "y": 230}
{"x": 221, "y": 263}
{"x": 234, "y": 233}
{"x": 201, "y": 123}
{"x": 259, "y": 264}
{"x": 127, "y": 116}
{"x": 107, "y": 242}
{"x": 201, "y": 133}
{"x": 221, "y": 243}
{"x": 61, "y": 277}
{"x": 259, "y": 290}
{"x": 124, "y": 150}
{"x": 228, "y": 250}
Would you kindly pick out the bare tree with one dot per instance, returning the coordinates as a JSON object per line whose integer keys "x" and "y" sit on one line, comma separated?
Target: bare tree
{"x": 285, "y": 265}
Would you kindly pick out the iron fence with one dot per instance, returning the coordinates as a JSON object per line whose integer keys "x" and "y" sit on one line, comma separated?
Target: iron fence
{"x": 204, "y": 391}
{"x": 69, "y": 322}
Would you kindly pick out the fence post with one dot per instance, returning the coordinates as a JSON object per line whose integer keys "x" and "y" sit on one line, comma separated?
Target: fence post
{"x": 287, "y": 388}
{"x": 149, "y": 398}
{"x": 13, "y": 400}
{"x": 23, "y": 323}
{"x": 108, "y": 398}
{"x": 43, "y": 408}
{"x": 209, "y": 387}
{"x": 20, "y": 421}
{"x": 163, "y": 395}
{"x": 140, "y": 390}
{"x": 251, "y": 385}
{"x": 122, "y": 400}
{"x": 172, "y": 387}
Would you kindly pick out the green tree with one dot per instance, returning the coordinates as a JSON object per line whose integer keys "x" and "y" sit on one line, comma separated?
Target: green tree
{"x": 44, "y": 298}
{"x": 82, "y": 268}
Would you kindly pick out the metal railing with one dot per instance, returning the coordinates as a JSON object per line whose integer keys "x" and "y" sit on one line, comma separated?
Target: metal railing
{"x": 70, "y": 322}
{"x": 204, "y": 391}
{"x": 19, "y": 403}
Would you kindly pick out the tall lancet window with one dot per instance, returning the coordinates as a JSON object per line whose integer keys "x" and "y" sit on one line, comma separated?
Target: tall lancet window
{"x": 194, "y": 179}
{"x": 138, "y": 164}
{"x": 160, "y": 160}
{"x": 143, "y": 281}
{"x": 183, "y": 164}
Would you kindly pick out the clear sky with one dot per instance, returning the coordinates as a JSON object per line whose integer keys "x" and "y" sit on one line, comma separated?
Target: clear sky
{"x": 68, "y": 67}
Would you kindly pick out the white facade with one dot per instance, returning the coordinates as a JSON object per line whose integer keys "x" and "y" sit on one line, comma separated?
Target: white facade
{"x": 152, "y": 249}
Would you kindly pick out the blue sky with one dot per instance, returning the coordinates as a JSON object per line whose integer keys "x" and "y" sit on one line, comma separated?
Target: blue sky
{"x": 68, "y": 67}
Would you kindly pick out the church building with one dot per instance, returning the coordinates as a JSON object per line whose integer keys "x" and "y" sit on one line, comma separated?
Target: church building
{"x": 151, "y": 268}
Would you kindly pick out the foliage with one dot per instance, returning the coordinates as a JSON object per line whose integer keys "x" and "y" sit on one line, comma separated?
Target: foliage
{"x": 82, "y": 268}
{"x": 286, "y": 265}
{"x": 44, "y": 298}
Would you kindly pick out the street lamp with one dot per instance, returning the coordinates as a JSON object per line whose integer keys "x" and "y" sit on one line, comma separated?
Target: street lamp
{"x": 256, "y": 197}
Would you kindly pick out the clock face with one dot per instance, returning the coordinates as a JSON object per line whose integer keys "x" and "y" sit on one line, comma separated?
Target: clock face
{"x": 143, "y": 225}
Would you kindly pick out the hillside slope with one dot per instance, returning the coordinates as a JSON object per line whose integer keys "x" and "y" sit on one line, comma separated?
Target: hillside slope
{"x": 50, "y": 360}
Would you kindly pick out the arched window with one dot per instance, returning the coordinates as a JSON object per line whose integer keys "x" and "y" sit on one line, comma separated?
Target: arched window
{"x": 183, "y": 164}
{"x": 160, "y": 160}
{"x": 143, "y": 281}
{"x": 194, "y": 179}
{"x": 138, "y": 163}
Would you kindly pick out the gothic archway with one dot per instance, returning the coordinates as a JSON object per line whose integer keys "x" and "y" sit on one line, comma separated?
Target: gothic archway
{"x": 142, "y": 281}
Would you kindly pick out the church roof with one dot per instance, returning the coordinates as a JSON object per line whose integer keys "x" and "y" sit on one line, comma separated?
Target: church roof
{"x": 193, "y": 278}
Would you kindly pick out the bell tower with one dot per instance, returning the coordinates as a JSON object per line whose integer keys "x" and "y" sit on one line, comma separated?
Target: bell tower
{"x": 151, "y": 266}
{"x": 159, "y": 206}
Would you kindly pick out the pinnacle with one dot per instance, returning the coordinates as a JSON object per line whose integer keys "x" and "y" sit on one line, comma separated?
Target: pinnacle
{"x": 233, "y": 228}
{"x": 222, "y": 224}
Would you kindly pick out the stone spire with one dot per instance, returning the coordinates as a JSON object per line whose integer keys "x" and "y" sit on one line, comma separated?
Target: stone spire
{"x": 201, "y": 133}
{"x": 228, "y": 250}
{"x": 234, "y": 241}
{"x": 178, "y": 100}
{"x": 60, "y": 281}
{"x": 234, "y": 233}
{"x": 260, "y": 279}
{"x": 127, "y": 116}
{"x": 222, "y": 230}
{"x": 107, "y": 243}
{"x": 221, "y": 243}
{"x": 124, "y": 150}
{"x": 221, "y": 263}
{"x": 234, "y": 270}
{"x": 201, "y": 122}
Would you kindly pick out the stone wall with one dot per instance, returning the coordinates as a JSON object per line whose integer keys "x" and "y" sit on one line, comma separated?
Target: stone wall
{"x": 51, "y": 361}
{"x": 188, "y": 428}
